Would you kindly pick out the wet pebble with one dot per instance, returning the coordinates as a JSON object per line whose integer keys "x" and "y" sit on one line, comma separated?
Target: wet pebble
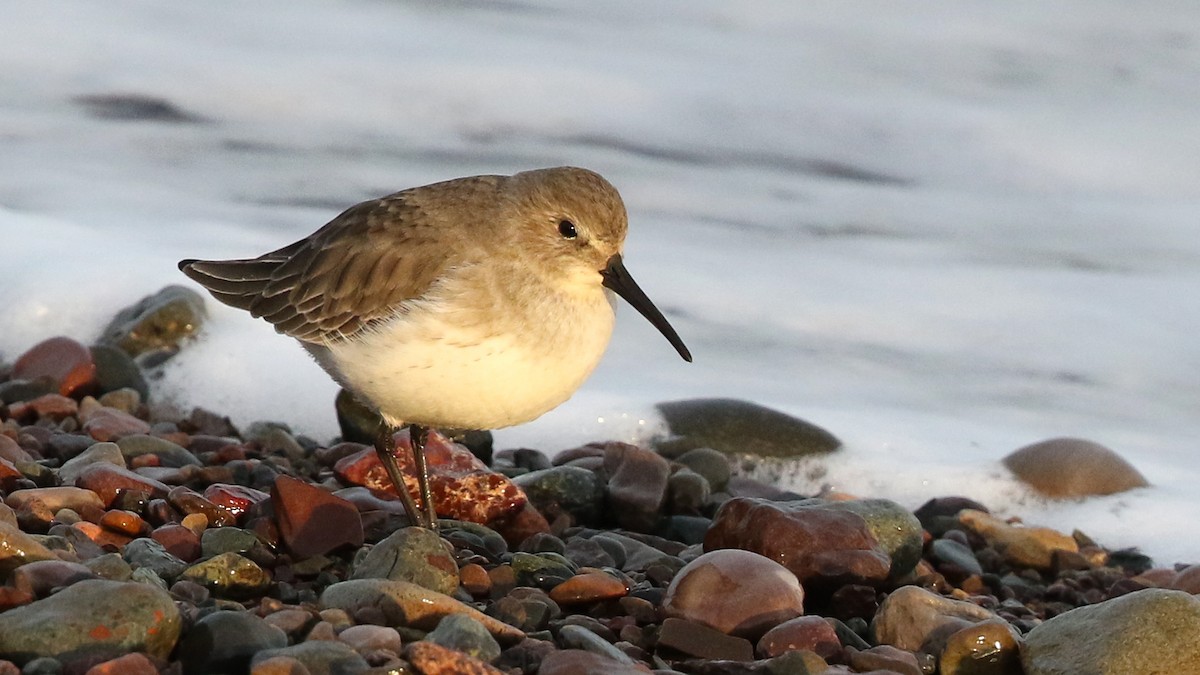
{"x": 412, "y": 554}
{"x": 735, "y": 592}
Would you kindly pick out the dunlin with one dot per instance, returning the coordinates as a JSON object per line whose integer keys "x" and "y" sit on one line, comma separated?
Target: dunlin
{"x": 475, "y": 303}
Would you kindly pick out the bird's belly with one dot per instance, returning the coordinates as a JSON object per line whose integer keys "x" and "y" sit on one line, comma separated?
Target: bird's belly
{"x": 444, "y": 376}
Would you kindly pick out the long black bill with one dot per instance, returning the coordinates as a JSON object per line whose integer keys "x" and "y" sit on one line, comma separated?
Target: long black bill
{"x": 619, "y": 280}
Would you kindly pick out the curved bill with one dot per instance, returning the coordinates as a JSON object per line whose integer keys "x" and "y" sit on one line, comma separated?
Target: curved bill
{"x": 619, "y": 280}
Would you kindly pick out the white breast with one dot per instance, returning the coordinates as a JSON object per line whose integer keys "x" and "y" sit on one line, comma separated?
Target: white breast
{"x": 430, "y": 366}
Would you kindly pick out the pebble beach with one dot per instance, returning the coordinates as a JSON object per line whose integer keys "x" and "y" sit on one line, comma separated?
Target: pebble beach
{"x": 138, "y": 538}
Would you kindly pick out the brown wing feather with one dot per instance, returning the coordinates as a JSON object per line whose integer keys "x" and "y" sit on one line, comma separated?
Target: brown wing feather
{"x": 356, "y": 270}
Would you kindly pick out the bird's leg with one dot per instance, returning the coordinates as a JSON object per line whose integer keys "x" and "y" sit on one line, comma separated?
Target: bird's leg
{"x": 417, "y": 435}
{"x": 384, "y": 445}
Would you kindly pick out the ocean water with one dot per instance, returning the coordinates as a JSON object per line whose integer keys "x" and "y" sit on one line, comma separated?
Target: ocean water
{"x": 942, "y": 231}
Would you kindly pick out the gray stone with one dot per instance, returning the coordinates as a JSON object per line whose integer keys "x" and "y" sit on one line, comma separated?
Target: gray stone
{"x": 637, "y": 485}
{"x": 1148, "y": 631}
{"x": 218, "y": 540}
{"x": 954, "y": 553}
{"x": 92, "y": 618}
{"x": 687, "y": 492}
{"x": 467, "y": 635}
{"x": 170, "y": 454}
{"x": 412, "y": 554}
{"x": 711, "y": 464}
{"x": 737, "y": 427}
{"x": 578, "y": 637}
{"x": 320, "y": 657}
{"x": 116, "y": 370}
{"x": 224, "y": 642}
{"x": 109, "y": 453}
{"x": 148, "y": 553}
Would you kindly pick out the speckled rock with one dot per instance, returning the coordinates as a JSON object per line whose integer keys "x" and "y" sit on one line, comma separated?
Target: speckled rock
{"x": 736, "y": 592}
{"x": 92, "y": 617}
{"x": 412, "y": 554}
{"x": 1021, "y": 546}
{"x": 430, "y": 658}
{"x": 741, "y": 429}
{"x": 224, "y": 642}
{"x": 229, "y": 575}
{"x": 1147, "y": 631}
{"x": 156, "y": 323}
{"x": 1073, "y": 467}
{"x": 463, "y": 488}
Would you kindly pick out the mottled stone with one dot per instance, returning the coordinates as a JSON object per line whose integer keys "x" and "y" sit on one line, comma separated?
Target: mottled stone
{"x": 803, "y": 632}
{"x": 63, "y": 360}
{"x": 156, "y": 323}
{"x": 92, "y": 617}
{"x": 820, "y": 545}
{"x": 463, "y": 488}
{"x": 150, "y": 554}
{"x": 433, "y": 659}
{"x": 313, "y": 521}
{"x": 220, "y": 540}
{"x": 742, "y": 428}
{"x": 1148, "y": 631}
{"x": 1021, "y": 546}
{"x": 229, "y": 575}
{"x": 413, "y": 554}
{"x": 565, "y": 489}
{"x": 406, "y": 604}
{"x": 915, "y": 619}
{"x": 1073, "y": 467}
{"x": 736, "y": 592}
{"x": 224, "y": 642}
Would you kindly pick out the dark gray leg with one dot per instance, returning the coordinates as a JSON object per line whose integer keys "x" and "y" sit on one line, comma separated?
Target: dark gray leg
{"x": 383, "y": 447}
{"x": 418, "y": 434}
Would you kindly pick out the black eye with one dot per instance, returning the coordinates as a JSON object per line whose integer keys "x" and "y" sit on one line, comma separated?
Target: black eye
{"x": 567, "y": 229}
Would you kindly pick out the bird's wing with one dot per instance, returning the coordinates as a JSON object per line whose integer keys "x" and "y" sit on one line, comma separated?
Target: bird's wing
{"x": 356, "y": 270}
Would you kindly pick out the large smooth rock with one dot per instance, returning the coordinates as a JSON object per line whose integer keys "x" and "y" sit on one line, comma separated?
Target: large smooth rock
{"x": 823, "y": 546}
{"x": 741, "y": 429}
{"x": 61, "y": 359}
{"x": 736, "y": 592}
{"x": 1073, "y": 467}
{"x": 565, "y": 489}
{"x": 311, "y": 520}
{"x": 1148, "y": 631}
{"x": 95, "y": 617}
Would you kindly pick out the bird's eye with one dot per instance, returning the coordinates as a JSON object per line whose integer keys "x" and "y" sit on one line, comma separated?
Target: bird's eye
{"x": 567, "y": 229}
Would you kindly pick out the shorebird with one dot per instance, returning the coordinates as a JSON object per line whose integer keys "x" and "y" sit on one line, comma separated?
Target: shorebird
{"x": 474, "y": 303}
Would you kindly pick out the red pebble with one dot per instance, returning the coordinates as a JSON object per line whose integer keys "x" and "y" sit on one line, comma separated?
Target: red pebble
{"x": 462, "y": 487}
{"x": 105, "y": 479}
{"x": 313, "y": 521}
{"x": 235, "y": 499}
{"x": 110, "y": 424}
{"x": 63, "y": 359}
{"x": 122, "y": 522}
{"x": 178, "y": 540}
